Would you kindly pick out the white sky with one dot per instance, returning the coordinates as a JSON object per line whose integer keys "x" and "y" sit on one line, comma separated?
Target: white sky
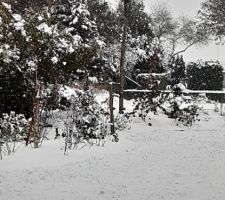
{"x": 178, "y": 7}
{"x": 190, "y": 8}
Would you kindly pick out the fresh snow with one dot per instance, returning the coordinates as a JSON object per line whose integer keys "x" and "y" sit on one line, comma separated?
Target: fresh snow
{"x": 67, "y": 92}
{"x": 7, "y": 6}
{"x": 45, "y": 28}
{"x": 162, "y": 161}
{"x": 147, "y": 75}
{"x": 113, "y": 4}
{"x": 186, "y": 91}
{"x": 54, "y": 60}
{"x": 93, "y": 79}
{"x": 19, "y": 24}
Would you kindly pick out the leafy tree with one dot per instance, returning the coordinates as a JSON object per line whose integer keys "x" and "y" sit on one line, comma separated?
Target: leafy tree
{"x": 16, "y": 90}
{"x": 30, "y": 51}
{"x": 72, "y": 17}
{"x": 139, "y": 22}
{"x": 106, "y": 20}
{"x": 212, "y": 15}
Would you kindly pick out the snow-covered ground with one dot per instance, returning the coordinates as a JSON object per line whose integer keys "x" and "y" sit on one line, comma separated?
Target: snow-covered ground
{"x": 162, "y": 161}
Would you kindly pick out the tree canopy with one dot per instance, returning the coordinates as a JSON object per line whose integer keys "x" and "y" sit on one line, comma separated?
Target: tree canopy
{"x": 172, "y": 32}
{"x": 212, "y": 16}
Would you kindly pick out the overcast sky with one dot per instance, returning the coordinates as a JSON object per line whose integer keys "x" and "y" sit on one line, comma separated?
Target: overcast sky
{"x": 179, "y": 7}
{"x": 190, "y": 8}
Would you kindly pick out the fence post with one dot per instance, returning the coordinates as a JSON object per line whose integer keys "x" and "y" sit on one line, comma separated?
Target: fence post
{"x": 221, "y": 104}
{"x": 111, "y": 108}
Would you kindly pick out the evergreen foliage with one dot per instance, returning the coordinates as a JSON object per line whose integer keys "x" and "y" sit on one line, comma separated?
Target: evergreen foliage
{"x": 212, "y": 15}
{"x": 44, "y": 46}
{"x": 74, "y": 16}
{"x": 147, "y": 71}
{"x": 106, "y": 20}
{"x": 205, "y": 76}
{"x": 16, "y": 89}
{"x": 139, "y": 22}
{"x": 48, "y": 43}
{"x": 16, "y": 92}
{"x": 152, "y": 64}
{"x": 177, "y": 68}
{"x": 21, "y": 6}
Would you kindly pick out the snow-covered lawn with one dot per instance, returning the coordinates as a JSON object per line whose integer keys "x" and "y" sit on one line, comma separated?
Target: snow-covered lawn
{"x": 163, "y": 161}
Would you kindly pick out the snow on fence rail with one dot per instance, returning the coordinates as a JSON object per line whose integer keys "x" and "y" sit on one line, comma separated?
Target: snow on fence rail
{"x": 185, "y": 91}
{"x": 182, "y": 91}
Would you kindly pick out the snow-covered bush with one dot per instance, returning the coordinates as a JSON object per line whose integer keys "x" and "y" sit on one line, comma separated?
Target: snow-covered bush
{"x": 149, "y": 72}
{"x": 144, "y": 105}
{"x": 12, "y": 129}
{"x": 85, "y": 120}
{"x": 179, "y": 106}
{"x": 90, "y": 118}
{"x": 123, "y": 120}
{"x": 175, "y": 105}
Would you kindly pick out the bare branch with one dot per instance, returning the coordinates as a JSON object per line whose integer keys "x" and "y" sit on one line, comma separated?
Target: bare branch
{"x": 183, "y": 50}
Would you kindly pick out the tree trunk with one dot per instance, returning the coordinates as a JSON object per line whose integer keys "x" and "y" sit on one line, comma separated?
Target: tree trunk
{"x": 111, "y": 108}
{"x": 123, "y": 57}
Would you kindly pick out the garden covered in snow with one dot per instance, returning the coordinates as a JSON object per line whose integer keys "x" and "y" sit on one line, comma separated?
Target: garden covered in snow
{"x": 98, "y": 101}
{"x": 163, "y": 161}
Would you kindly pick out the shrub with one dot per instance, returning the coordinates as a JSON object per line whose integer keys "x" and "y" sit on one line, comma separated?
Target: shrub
{"x": 180, "y": 107}
{"x": 12, "y": 130}
{"x": 177, "y": 67}
{"x": 85, "y": 120}
{"x": 205, "y": 76}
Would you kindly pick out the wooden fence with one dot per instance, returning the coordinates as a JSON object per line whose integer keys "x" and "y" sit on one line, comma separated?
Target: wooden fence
{"x": 186, "y": 91}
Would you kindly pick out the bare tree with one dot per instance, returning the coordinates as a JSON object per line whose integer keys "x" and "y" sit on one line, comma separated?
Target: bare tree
{"x": 172, "y": 33}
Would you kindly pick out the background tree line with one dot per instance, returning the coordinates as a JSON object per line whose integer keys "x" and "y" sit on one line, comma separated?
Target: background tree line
{"x": 58, "y": 42}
